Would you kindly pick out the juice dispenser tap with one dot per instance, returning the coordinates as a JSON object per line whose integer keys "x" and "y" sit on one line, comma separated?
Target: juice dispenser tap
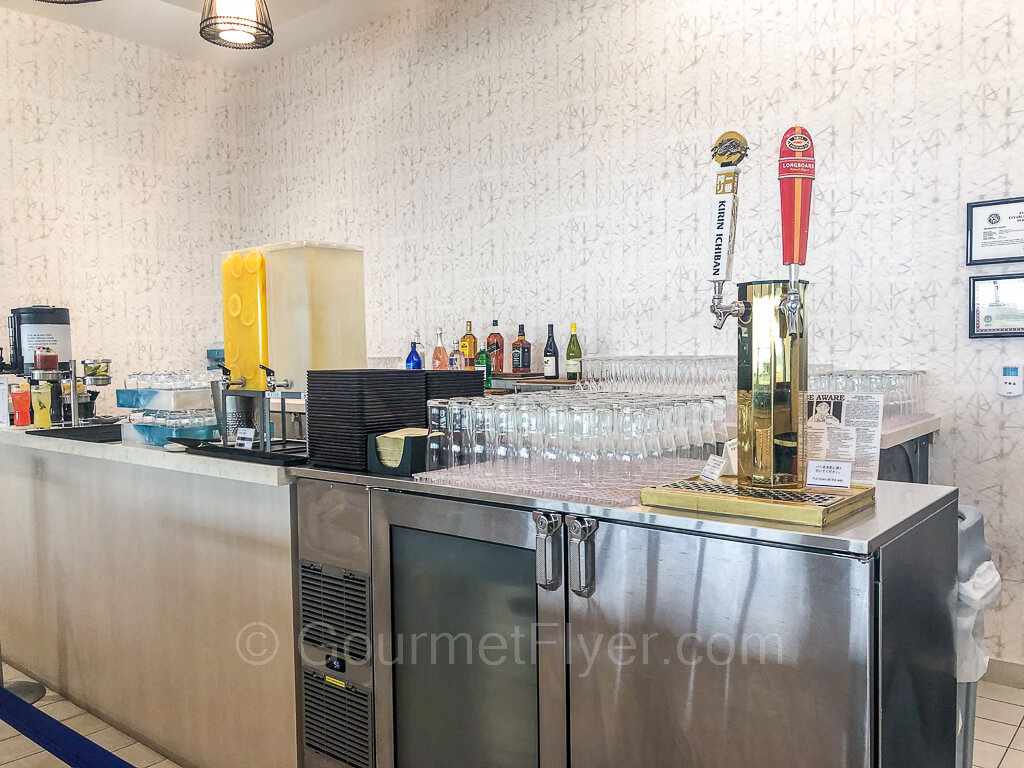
{"x": 796, "y": 175}
{"x": 728, "y": 152}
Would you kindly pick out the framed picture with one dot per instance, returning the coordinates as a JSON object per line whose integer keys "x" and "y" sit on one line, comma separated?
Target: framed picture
{"x": 997, "y": 306}
{"x": 995, "y": 231}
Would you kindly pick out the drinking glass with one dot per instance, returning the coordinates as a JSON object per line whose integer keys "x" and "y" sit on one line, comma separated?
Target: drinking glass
{"x": 667, "y": 432}
{"x": 707, "y": 426}
{"x": 721, "y": 428}
{"x": 438, "y": 448}
{"x": 41, "y": 396}
{"x": 460, "y": 431}
{"x": 483, "y": 416}
{"x": 681, "y": 426}
{"x": 695, "y": 436}
{"x": 21, "y": 399}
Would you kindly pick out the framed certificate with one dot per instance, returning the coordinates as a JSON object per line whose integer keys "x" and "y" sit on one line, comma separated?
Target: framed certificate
{"x": 997, "y": 306}
{"x": 995, "y": 231}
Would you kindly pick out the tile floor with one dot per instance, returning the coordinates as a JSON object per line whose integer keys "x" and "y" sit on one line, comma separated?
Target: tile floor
{"x": 998, "y": 732}
{"x": 998, "y": 735}
{"x": 16, "y": 751}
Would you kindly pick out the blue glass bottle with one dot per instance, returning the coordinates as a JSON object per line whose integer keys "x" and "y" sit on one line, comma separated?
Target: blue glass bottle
{"x": 414, "y": 362}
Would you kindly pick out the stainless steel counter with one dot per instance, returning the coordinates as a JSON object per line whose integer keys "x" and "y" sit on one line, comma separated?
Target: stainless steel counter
{"x": 898, "y": 507}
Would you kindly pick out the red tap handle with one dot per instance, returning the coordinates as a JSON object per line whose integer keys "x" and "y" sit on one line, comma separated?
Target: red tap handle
{"x": 796, "y": 174}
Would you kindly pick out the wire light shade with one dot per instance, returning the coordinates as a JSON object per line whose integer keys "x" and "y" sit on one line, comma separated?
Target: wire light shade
{"x": 242, "y": 24}
{"x": 67, "y": 2}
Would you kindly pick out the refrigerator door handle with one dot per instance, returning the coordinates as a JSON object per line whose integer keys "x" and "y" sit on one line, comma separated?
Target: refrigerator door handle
{"x": 581, "y": 555}
{"x": 549, "y": 550}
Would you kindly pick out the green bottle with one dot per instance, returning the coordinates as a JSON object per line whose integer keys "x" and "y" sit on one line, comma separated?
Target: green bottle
{"x": 483, "y": 363}
{"x": 573, "y": 356}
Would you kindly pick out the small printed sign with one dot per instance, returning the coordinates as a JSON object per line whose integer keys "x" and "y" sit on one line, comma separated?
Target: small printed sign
{"x": 732, "y": 461}
{"x": 830, "y": 474}
{"x": 5, "y": 392}
{"x": 245, "y": 438}
{"x": 713, "y": 469}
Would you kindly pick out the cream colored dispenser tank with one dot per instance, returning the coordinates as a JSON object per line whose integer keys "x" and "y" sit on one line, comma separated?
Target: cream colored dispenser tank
{"x": 293, "y": 307}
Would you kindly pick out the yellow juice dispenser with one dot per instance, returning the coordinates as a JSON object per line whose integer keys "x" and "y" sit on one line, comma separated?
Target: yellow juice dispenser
{"x": 288, "y": 308}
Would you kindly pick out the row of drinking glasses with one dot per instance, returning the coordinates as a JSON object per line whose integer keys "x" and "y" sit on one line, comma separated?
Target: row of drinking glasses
{"x": 577, "y": 429}
{"x": 174, "y": 419}
{"x": 903, "y": 390}
{"x": 171, "y": 380}
{"x": 690, "y": 375}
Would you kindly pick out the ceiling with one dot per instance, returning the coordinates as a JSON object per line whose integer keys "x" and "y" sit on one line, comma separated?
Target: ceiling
{"x": 173, "y": 25}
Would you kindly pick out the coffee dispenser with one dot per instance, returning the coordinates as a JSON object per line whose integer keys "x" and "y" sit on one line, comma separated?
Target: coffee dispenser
{"x": 33, "y": 327}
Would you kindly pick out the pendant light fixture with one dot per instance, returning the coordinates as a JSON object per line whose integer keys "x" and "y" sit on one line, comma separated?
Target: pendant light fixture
{"x": 243, "y": 24}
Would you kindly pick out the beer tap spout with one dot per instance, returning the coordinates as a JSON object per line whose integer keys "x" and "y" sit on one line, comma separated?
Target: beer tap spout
{"x": 721, "y": 310}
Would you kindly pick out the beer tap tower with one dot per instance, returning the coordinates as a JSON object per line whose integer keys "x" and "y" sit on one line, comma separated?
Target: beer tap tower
{"x": 771, "y": 368}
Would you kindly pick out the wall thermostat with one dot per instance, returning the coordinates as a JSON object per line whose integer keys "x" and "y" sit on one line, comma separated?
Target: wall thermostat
{"x": 1011, "y": 383}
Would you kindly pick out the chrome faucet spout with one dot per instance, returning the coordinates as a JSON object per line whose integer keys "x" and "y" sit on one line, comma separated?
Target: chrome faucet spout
{"x": 792, "y": 309}
{"x": 720, "y": 309}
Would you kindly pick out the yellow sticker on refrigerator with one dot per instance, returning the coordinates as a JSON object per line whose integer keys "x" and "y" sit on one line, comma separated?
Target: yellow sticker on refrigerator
{"x": 245, "y": 317}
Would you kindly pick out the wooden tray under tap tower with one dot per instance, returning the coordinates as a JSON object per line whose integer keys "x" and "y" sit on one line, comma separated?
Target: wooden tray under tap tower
{"x": 801, "y": 506}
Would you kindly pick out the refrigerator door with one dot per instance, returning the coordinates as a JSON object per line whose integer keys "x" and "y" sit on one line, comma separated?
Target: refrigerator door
{"x": 695, "y": 652}
{"x": 469, "y": 618}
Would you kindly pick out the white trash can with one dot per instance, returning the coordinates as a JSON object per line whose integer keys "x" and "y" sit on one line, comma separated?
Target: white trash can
{"x": 977, "y": 589}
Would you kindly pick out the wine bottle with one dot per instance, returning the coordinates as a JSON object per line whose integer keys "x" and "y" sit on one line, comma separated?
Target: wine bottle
{"x": 456, "y": 360}
{"x": 573, "y": 356}
{"x": 414, "y": 361}
{"x": 468, "y": 344}
{"x": 551, "y": 355}
{"x": 496, "y": 348}
{"x": 521, "y": 350}
{"x": 483, "y": 363}
{"x": 440, "y": 359}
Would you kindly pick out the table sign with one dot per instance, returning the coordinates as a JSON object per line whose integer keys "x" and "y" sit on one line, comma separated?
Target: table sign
{"x": 5, "y": 393}
{"x": 245, "y": 438}
{"x": 713, "y": 469}
{"x": 830, "y": 474}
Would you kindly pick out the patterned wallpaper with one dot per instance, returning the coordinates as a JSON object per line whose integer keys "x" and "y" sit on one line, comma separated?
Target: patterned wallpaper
{"x": 542, "y": 161}
{"x": 548, "y": 162}
{"x": 119, "y": 187}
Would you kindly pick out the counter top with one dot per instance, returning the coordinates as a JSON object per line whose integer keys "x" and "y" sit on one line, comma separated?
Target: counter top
{"x": 898, "y": 507}
{"x": 149, "y": 457}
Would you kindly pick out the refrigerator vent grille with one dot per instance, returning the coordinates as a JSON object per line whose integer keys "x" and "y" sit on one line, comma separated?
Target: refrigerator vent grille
{"x": 336, "y": 610}
{"x": 336, "y": 718}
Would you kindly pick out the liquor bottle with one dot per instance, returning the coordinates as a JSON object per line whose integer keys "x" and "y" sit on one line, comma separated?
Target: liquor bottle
{"x": 440, "y": 359}
{"x": 414, "y": 361}
{"x": 551, "y": 355}
{"x": 468, "y": 343}
{"x": 573, "y": 356}
{"x": 521, "y": 350}
{"x": 483, "y": 363}
{"x": 456, "y": 360}
{"x": 496, "y": 348}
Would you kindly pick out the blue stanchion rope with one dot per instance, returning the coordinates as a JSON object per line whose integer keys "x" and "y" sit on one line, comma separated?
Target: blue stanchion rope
{"x": 55, "y": 737}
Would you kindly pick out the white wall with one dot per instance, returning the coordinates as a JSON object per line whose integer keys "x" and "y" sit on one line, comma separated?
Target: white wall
{"x": 549, "y": 161}
{"x": 542, "y": 161}
{"x": 119, "y": 186}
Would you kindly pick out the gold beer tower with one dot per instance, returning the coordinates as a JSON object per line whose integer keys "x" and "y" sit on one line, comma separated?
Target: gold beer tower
{"x": 771, "y": 377}
{"x": 771, "y": 361}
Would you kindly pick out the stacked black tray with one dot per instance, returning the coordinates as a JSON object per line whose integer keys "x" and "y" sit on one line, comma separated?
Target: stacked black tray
{"x": 344, "y": 407}
{"x": 442, "y": 384}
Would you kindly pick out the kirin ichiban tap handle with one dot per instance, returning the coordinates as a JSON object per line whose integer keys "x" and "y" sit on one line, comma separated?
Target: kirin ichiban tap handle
{"x": 796, "y": 175}
{"x": 728, "y": 152}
